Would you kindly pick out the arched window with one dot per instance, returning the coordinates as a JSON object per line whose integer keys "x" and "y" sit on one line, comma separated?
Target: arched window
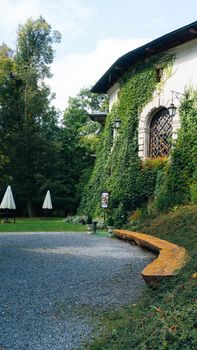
{"x": 160, "y": 134}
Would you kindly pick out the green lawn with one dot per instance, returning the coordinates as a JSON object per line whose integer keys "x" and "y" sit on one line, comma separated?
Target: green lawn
{"x": 40, "y": 225}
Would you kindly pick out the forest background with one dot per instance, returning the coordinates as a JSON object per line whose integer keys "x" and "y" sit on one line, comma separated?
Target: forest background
{"x": 40, "y": 150}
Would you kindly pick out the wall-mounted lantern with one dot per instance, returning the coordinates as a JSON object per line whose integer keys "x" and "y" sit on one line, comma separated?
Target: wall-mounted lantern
{"x": 117, "y": 123}
{"x": 115, "y": 131}
{"x": 116, "y": 127}
{"x": 172, "y": 108}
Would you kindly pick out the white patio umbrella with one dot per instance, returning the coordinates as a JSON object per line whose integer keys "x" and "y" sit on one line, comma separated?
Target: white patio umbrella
{"x": 8, "y": 200}
{"x": 47, "y": 204}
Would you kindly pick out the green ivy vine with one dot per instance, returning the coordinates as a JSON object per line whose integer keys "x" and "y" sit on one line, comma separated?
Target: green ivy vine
{"x": 177, "y": 183}
{"x": 120, "y": 170}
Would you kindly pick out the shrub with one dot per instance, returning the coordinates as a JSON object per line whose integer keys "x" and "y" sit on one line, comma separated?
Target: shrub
{"x": 152, "y": 163}
{"x": 193, "y": 192}
{"x": 119, "y": 215}
{"x": 110, "y": 221}
{"x": 89, "y": 220}
{"x": 174, "y": 183}
{"x": 76, "y": 219}
{"x": 135, "y": 216}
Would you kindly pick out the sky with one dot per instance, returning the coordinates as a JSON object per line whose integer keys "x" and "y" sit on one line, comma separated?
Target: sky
{"x": 94, "y": 33}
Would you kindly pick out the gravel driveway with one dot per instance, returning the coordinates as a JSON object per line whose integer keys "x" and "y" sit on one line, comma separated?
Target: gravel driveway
{"x": 52, "y": 283}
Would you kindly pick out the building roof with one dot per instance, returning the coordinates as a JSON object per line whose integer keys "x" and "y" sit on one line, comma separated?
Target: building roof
{"x": 122, "y": 64}
{"x": 98, "y": 117}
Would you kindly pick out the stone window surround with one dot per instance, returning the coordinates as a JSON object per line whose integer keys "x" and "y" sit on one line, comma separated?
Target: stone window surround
{"x": 144, "y": 126}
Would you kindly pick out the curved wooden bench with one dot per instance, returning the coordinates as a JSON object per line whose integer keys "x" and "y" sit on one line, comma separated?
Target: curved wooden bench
{"x": 171, "y": 257}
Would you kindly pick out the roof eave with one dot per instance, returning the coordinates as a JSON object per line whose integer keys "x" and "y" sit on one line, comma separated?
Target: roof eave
{"x": 159, "y": 45}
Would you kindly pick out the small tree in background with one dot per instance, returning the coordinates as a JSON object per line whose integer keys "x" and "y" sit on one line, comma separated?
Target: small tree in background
{"x": 83, "y": 137}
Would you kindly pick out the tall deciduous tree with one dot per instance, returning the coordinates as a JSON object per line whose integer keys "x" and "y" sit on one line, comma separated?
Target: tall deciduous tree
{"x": 25, "y": 108}
{"x": 7, "y": 104}
{"x": 33, "y": 57}
{"x": 36, "y": 152}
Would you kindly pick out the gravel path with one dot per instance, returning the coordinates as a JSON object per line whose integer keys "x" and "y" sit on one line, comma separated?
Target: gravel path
{"x": 51, "y": 282}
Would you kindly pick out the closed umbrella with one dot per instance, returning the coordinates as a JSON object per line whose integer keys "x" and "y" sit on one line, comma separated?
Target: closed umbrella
{"x": 8, "y": 200}
{"x": 47, "y": 204}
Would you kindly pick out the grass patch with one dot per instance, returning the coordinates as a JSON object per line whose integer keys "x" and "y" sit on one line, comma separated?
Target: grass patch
{"x": 165, "y": 317}
{"x": 40, "y": 225}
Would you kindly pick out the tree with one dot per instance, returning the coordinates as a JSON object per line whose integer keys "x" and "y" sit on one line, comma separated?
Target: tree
{"x": 81, "y": 133}
{"x": 36, "y": 152}
{"x": 33, "y": 56}
{"x": 7, "y": 102}
{"x": 25, "y": 113}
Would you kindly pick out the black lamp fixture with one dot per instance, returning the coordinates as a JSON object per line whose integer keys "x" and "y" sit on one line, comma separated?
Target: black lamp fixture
{"x": 117, "y": 123}
{"x": 172, "y": 108}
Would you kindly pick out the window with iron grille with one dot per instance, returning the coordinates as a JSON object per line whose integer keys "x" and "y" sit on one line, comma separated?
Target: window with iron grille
{"x": 160, "y": 134}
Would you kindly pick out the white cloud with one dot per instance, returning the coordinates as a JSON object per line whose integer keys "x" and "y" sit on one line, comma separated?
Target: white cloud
{"x": 74, "y": 71}
{"x": 71, "y": 17}
{"x": 67, "y": 16}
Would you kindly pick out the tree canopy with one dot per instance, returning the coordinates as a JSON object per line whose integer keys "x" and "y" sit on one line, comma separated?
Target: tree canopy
{"x": 37, "y": 152}
{"x": 25, "y": 114}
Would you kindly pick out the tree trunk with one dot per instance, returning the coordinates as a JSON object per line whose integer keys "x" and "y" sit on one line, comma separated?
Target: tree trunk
{"x": 30, "y": 208}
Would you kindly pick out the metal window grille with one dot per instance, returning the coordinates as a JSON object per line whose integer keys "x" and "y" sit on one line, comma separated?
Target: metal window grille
{"x": 160, "y": 134}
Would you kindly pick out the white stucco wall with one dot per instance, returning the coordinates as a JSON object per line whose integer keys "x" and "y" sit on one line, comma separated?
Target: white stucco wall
{"x": 113, "y": 95}
{"x": 184, "y": 74}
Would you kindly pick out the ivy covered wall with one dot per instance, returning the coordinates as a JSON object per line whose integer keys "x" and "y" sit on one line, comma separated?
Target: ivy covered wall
{"x": 177, "y": 182}
{"x": 120, "y": 171}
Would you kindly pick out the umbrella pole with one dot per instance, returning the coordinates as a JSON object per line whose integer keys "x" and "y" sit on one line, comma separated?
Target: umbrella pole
{"x": 6, "y": 216}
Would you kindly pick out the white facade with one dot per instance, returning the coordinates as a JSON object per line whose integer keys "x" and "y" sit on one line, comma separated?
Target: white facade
{"x": 183, "y": 75}
{"x": 113, "y": 95}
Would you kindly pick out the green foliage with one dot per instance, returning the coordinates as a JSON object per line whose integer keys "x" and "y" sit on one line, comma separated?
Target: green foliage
{"x": 119, "y": 169}
{"x": 110, "y": 221}
{"x": 193, "y": 192}
{"x": 82, "y": 137}
{"x": 35, "y": 49}
{"x": 29, "y": 132}
{"x": 193, "y": 187}
{"x": 176, "y": 181}
{"x": 26, "y": 118}
{"x": 89, "y": 220}
{"x": 151, "y": 163}
{"x": 4, "y": 161}
{"x": 37, "y": 153}
{"x": 119, "y": 215}
{"x": 165, "y": 316}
